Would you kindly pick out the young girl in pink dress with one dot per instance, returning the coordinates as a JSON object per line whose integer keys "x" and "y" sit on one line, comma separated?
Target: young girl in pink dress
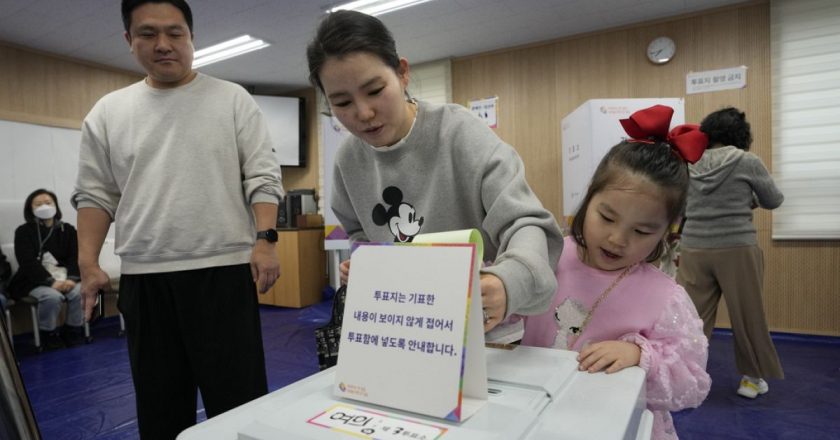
{"x": 612, "y": 305}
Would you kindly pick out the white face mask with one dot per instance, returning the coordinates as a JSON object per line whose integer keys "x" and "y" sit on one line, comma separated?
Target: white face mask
{"x": 44, "y": 212}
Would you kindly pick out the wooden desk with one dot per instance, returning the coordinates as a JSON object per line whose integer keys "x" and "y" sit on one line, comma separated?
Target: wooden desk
{"x": 302, "y": 268}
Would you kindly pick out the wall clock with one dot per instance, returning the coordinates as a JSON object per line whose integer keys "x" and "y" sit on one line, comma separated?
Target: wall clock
{"x": 661, "y": 50}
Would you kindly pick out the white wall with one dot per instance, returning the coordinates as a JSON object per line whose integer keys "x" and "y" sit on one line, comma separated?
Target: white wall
{"x": 32, "y": 157}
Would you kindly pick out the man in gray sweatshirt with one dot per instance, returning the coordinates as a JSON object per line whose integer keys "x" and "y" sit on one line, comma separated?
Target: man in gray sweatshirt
{"x": 182, "y": 164}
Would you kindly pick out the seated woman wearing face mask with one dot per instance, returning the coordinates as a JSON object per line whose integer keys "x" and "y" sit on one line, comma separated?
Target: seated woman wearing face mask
{"x": 47, "y": 252}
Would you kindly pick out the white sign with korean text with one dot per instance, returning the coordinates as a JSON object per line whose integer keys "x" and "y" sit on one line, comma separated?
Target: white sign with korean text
{"x": 716, "y": 80}
{"x": 367, "y": 424}
{"x": 485, "y": 109}
{"x": 412, "y": 336}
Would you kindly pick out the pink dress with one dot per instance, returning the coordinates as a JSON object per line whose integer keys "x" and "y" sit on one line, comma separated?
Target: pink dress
{"x": 648, "y": 308}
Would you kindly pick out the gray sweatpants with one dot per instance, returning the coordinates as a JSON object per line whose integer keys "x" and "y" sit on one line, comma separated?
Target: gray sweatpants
{"x": 737, "y": 273}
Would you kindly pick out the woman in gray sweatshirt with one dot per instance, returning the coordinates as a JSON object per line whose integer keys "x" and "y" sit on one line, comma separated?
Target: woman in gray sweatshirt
{"x": 719, "y": 250}
{"x": 413, "y": 167}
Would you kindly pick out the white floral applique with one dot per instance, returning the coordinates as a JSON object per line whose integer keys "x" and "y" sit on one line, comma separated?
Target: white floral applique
{"x": 568, "y": 316}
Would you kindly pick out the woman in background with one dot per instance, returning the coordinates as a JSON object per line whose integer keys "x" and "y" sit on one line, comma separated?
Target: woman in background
{"x": 47, "y": 253}
{"x": 719, "y": 251}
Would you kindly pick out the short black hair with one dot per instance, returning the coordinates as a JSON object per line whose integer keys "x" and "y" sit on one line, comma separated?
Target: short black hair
{"x": 728, "y": 126}
{"x": 344, "y": 32}
{"x": 658, "y": 162}
{"x": 29, "y": 216}
{"x": 128, "y": 6}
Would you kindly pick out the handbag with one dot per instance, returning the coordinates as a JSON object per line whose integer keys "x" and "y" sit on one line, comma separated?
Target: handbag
{"x": 327, "y": 337}
{"x": 59, "y": 273}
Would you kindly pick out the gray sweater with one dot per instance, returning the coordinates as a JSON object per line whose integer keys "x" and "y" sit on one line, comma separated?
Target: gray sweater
{"x": 726, "y": 183}
{"x": 452, "y": 172}
{"x": 177, "y": 171}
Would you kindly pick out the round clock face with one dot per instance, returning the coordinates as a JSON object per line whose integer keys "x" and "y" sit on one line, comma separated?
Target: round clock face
{"x": 661, "y": 50}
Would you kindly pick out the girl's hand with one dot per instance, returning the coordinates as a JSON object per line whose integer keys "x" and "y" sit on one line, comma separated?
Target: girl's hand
{"x": 612, "y": 355}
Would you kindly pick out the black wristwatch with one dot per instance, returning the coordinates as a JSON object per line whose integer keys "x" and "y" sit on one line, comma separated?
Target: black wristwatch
{"x": 269, "y": 235}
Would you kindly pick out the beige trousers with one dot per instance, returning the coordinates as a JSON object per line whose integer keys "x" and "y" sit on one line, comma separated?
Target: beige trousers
{"x": 737, "y": 273}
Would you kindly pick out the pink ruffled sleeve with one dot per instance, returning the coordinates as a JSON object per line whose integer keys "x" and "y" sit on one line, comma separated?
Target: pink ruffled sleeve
{"x": 674, "y": 355}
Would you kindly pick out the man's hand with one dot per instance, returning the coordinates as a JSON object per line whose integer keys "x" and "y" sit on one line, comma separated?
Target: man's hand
{"x": 493, "y": 300}
{"x": 265, "y": 266}
{"x": 612, "y": 355}
{"x": 94, "y": 279}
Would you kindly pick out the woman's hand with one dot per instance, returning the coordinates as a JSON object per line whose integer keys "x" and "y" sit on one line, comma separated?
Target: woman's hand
{"x": 68, "y": 285}
{"x": 58, "y": 285}
{"x": 493, "y": 300}
{"x": 612, "y": 355}
{"x": 344, "y": 269}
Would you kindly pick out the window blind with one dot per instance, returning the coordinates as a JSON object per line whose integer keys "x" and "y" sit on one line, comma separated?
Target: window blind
{"x": 431, "y": 82}
{"x": 805, "y": 60}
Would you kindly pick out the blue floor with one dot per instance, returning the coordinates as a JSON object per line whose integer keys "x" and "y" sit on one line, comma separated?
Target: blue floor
{"x": 803, "y": 406}
{"x": 85, "y": 392}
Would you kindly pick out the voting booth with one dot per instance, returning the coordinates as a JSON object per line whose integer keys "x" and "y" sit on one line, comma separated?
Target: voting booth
{"x": 589, "y": 131}
{"x": 414, "y": 365}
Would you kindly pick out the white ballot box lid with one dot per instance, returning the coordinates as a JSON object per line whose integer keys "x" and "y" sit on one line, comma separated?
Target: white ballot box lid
{"x": 510, "y": 413}
{"x": 530, "y": 367}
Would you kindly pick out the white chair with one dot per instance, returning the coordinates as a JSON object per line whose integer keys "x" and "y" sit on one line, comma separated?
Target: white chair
{"x": 36, "y": 331}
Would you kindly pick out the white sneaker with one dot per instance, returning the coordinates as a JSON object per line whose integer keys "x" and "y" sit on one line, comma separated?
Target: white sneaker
{"x": 752, "y": 387}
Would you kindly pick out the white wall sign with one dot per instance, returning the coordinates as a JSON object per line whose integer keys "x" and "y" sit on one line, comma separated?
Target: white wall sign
{"x": 485, "y": 109}
{"x": 716, "y": 80}
{"x": 412, "y": 336}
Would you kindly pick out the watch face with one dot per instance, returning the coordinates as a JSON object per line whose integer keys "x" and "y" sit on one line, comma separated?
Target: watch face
{"x": 269, "y": 234}
{"x": 661, "y": 50}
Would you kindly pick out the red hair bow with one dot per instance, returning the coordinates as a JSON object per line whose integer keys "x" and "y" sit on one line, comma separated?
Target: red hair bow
{"x": 652, "y": 124}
